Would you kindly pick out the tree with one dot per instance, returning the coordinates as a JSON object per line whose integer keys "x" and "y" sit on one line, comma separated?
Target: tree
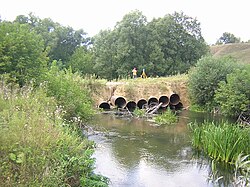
{"x": 105, "y": 54}
{"x": 60, "y": 41}
{"x": 227, "y": 38}
{"x": 180, "y": 40}
{"x": 164, "y": 46}
{"x": 22, "y": 55}
{"x": 82, "y": 61}
{"x": 205, "y": 77}
{"x": 233, "y": 95}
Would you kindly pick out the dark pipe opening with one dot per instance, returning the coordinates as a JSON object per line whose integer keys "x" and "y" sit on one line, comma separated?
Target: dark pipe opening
{"x": 153, "y": 101}
{"x": 164, "y": 100}
{"x": 179, "y": 106}
{"x": 104, "y": 105}
{"x": 141, "y": 102}
{"x": 174, "y": 99}
{"x": 120, "y": 102}
{"x": 131, "y": 106}
{"x": 172, "y": 107}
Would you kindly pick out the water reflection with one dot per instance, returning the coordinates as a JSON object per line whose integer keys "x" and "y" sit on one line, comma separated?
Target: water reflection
{"x": 135, "y": 152}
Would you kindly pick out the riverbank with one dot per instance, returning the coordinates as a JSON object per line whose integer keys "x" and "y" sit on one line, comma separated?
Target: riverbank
{"x": 135, "y": 89}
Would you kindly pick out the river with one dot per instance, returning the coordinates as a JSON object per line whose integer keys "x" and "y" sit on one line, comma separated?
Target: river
{"x": 134, "y": 152}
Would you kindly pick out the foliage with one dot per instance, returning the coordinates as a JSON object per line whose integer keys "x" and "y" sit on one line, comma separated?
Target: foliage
{"x": 204, "y": 79}
{"x": 228, "y": 38}
{"x": 168, "y": 117}
{"x": 22, "y": 55}
{"x": 69, "y": 92}
{"x": 242, "y": 170}
{"x": 60, "y": 41}
{"x": 222, "y": 142}
{"x": 37, "y": 147}
{"x": 164, "y": 46}
{"x": 233, "y": 95}
{"x": 82, "y": 61}
{"x": 139, "y": 112}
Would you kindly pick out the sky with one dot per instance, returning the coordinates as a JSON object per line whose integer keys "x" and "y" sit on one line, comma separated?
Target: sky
{"x": 215, "y": 16}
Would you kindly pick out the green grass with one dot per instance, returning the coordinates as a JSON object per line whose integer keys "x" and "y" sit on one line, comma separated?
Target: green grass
{"x": 149, "y": 80}
{"x": 240, "y": 51}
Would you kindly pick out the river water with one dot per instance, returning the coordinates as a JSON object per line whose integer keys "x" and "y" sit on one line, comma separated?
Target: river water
{"x": 137, "y": 153}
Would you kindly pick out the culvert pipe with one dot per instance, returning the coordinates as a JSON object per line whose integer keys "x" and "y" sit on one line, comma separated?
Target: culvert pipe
{"x": 174, "y": 99}
{"x": 131, "y": 106}
{"x": 152, "y": 101}
{"x": 164, "y": 100}
{"x": 141, "y": 102}
{"x": 104, "y": 105}
{"x": 179, "y": 106}
{"x": 118, "y": 101}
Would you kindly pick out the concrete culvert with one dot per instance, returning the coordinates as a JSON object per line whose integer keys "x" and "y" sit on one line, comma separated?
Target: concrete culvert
{"x": 174, "y": 99}
{"x": 141, "y": 102}
{"x": 104, "y": 105}
{"x": 152, "y": 101}
{"x": 131, "y": 106}
{"x": 164, "y": 100}
{"x": 118, "y": 101}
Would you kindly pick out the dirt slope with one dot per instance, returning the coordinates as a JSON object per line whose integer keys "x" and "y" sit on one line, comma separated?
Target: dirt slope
{"x": 135, "y": 89}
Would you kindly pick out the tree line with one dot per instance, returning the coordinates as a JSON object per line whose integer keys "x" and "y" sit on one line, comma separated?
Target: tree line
{"x": 163, "y": 46}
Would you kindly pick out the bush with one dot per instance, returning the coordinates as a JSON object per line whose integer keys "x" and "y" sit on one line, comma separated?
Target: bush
{"x": 22, "y": 53}
{"x": 37, "y": 148}
{"x": 69, "y": 92}
{"x": 205, "y": 77}
{"x": 233, "y": 95}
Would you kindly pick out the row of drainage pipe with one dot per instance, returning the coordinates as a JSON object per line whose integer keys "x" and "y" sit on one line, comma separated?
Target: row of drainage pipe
{"x": 173, "y": 102}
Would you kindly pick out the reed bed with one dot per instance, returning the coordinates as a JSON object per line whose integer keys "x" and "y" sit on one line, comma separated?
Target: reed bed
{"x": 222, "y": 142}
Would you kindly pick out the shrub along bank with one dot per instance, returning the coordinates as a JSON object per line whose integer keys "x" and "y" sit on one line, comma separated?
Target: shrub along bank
{"x": 38, "y": 148}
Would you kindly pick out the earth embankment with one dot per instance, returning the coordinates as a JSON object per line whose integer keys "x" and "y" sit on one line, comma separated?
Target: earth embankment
{"x": 136, "y": 89}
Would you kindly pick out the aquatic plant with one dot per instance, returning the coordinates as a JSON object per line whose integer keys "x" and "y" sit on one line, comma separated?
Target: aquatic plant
{"x": 223, "y": 142}
{"x": 168, "y": 117}
{"x": 139, "y": 112}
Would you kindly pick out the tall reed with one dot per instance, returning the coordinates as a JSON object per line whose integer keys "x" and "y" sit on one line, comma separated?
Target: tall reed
{"x": 223, "y": 142}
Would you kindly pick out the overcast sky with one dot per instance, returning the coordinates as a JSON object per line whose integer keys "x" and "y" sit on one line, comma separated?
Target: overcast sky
{"x": 215, "y": 16}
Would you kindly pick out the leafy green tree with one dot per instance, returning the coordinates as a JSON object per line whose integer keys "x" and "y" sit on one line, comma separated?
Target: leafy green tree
{"x": 227, "y": 38}
{"x": 131, "y": 43}
{"x": 180, "y": 40}
{"x": 105, "y": 54}
{"x": 82, "y": 61}
{"x": 205, "y": 77}
{"x": 60, "y": 41}
{"x": 233, "y": 95}
{"x": 22, "y": 55}
{"x": 164, "y": 46}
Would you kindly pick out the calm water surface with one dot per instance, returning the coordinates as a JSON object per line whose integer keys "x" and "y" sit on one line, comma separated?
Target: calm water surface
{"x": 136, "y": 153}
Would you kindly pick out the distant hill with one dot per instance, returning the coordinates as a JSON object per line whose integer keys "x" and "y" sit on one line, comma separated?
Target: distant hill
{"x": 240, "y": 51}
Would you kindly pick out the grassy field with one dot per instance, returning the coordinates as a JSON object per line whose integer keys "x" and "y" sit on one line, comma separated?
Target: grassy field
{"x": 240, "y": 51}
